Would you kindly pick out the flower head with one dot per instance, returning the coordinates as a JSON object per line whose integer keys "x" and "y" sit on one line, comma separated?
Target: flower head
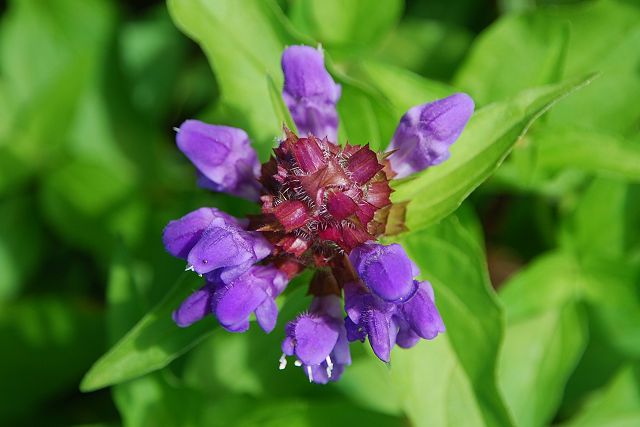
{"x": 323, "y": 207}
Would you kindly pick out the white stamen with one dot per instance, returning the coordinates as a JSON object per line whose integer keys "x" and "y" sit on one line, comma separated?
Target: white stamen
{"x": 310, "y": 373}
{"x": 329, "y": 366}
{"x": 297, "y": 363}
{"x": 176, "y": 129}
{"x": 283, "y": 362}
{"x": 189, "y": 268}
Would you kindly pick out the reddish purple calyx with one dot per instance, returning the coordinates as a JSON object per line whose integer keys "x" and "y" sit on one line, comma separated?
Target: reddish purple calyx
{"x": 322, "y": 199}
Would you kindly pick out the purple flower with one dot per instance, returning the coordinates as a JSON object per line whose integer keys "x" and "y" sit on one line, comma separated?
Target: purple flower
{"x": 212, "y": 241}
{"x": 421, "y": 315}
{"x": 318, "y": 340}
{"x": 370, "y": 316}
{"x": 386, "y": 270}
{"x": 387, "y": 324}
{"x": 223, "y": 156}
{"x": 323, "y": 206}
{"x": 309, "y": 92}
{"x": 426, "y": 131}
{"x": 232, "y": 303}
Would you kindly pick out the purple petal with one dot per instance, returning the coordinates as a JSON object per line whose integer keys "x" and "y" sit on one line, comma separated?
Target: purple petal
{"x": 421, "y": 313}
{"x": 237, "y": 301}
{"x": 267, "y": 315}
{"x": 386, "y": 270}
{"x": 218, "y": 247}
{"x": 407, "y": 338}
{"x": 341, "y": 353}
{"x": 181, "y": 235}
{"x": 309, "y": 92}
{"x": 223, "y": 155}
{"x": 355, "y": 332}
{"x": 425, "y": 132}
{"x": 380, "y": 335}
{"x": 315, "y": 339}
{"x": 194, "y": 308}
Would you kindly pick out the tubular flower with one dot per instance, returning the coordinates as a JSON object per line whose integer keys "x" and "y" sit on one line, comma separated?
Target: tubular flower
{"x": 323, "y": 207}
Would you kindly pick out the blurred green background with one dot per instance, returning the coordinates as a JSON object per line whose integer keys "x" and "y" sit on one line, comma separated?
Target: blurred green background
{"x": 89, "y": 175}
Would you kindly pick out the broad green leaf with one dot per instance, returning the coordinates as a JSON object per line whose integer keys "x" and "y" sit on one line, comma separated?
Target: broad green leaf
{"x": 343, "y": 25}
{"x": 590, "y": 151}
{"x": 549, "y": 44}
{"x": 612, "y": 290}
{"x": 544, "y": 340}
{"x": 152, "y": 343}
{"x": 485, "y": 142}
{"x": 617, "y": 405}
{"x": 604, "y": 221}
{"x": 457, "y": 370}
{"x": 243, "y": 41}
{"x": 516, "y": 52}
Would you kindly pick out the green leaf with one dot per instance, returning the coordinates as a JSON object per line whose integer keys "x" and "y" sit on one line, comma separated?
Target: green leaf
{"x": 612, "y": 290}
{"x": 348, "y": 26}
{"x": 458, "y": 369}
{"x": 281, "y": 110}
{"x": 545, "y": 337}
{"x": 251, "y": 47}
{"x": 604, "y": 220}
{"x": 152, "y": 343}
{"x": 617, "y": 405}
{"x": 485, "y": 142}
{"x": 589, "y": 151}
{"x": 549, "y": 44}
{"x": 517, "y": 52}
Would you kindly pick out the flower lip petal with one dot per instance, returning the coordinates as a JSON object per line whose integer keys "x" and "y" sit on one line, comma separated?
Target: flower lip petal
{"x": 194, "y": 308}
{"x": 315, "y": 338}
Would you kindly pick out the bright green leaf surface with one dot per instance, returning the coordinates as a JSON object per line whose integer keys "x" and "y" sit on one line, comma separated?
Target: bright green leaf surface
{"x": 545, "y": 332}
{"x": 458, "y": 370}
{"x": 339, "y": 24}
{"x": 618, "y": 405}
